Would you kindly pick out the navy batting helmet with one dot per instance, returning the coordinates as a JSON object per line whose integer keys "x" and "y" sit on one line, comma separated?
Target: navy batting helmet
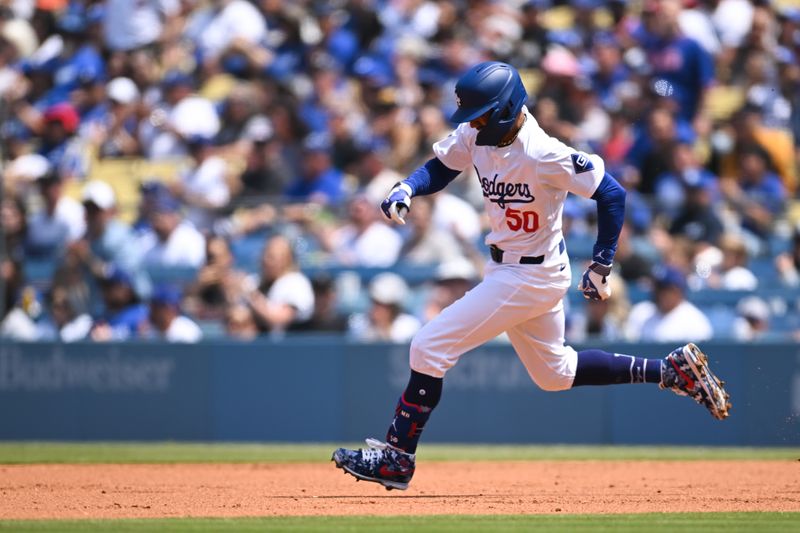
{"x": 493, "y": 87}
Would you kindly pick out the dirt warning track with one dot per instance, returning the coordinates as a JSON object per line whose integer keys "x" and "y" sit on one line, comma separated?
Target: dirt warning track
{"x": 179, "y": 490}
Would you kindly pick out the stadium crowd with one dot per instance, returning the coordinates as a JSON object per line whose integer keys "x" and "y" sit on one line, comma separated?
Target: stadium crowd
{"x": 282, "y": 125}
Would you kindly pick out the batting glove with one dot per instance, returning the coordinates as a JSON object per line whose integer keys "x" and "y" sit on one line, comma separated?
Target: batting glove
{"x": 397, "y": 204}
{"x": 594, "y": 282}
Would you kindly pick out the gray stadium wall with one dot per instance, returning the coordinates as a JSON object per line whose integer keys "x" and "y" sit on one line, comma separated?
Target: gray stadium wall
{"x": 321, "y": 389}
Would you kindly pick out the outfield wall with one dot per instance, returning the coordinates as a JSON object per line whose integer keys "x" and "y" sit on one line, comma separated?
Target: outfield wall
{"x": 327, "y": 390}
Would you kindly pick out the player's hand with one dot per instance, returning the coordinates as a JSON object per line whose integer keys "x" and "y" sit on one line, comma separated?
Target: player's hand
{"x": 594, "y": 282}
{"x": 397, "y": 204}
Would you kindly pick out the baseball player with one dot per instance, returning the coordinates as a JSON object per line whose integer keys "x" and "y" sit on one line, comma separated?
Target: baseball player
{"x": 525, "y": 175}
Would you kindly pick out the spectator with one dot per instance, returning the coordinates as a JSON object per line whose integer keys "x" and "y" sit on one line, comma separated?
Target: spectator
{"x": 425, "y": 244}
{"x": 150, "y": 191}
{"x": 204, "y": 188}
{"x": 124, "y": 316}
{"x": 634, "y": 267}
{"x": 651, "y": 152}
{"x": 453, "y": 279}
{"x": 166, "y": 321}
{"x": 128, "y": 26}
{"x": 65, "y": 322}
{"x": 228, "y": 26}
{"x": 610, "y": 71}
{"x": 758, "y": 194}
{"x": 385, "y": 320}
{"x": 319, "y": 181}
{"x": 284, "y": 294}
{"x": 15, "y": 227}
{"x": 240, "y": 324}
{"x": 238, "y": 109}
{"x": 752, "y": 321}
{"x": 679, "y": 61}
{"x": 219, "y": 284}
{"x": 684, "y": 172}
{"x": 747, "y": 134}
{"x": 11, "y": 276}
{"x": 171, "y": 242}
{"x": 602, "y": 318}
{"x": 788, "y": 263}
{"x": 669, "y": 316}
{"x": 697, "y": 219}
{"x": 115, "y": 131}
{"x": 374, "y": 177}
{"x": 365, "y": 240}
{"x": 266, "y": 172}
{"x": 176, "y": 115}
{"x": 61, "y": 220}
{"x": 732, "y": 273}
{"x": 108, "y": 240}
{"x": 325, "y": 318}
{"x": 20, "y": 322}
{"x": 59, "y": 144}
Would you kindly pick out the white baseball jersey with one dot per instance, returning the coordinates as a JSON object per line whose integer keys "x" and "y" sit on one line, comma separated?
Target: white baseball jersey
{"x": 524, "y": 188}
{"x": 524, "y": 184}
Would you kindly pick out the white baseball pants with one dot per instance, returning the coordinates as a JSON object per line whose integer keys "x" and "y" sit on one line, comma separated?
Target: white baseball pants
{"x": 523, "y": 300}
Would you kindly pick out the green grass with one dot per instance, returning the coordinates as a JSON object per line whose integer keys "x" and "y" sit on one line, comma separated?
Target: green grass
{"x": 101, "y": 452}
{"x": 706, "y": 522}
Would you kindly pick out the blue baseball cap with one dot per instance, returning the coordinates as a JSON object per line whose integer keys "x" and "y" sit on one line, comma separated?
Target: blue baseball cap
{"x": 116, "y": 275}
{"x": 175, "y": 78}
{"x": 668, "y": 276}
{"x": 317, "y": 142}
{"x": 152, "y": 187}
{"x": 164, "y": 202}
{"x": 166, "y": 295}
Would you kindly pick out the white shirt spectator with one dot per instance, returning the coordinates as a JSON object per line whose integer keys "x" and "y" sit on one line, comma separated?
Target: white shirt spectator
{"x": 185, "y": 247}
{"x": 697, "y": 24}
{"x": 738, "y": 278}
{"x": 239, "y": 19}
{"x": 378, "y": 246}
{"x": 195, "y": 116}
{"x": 402, "y": 330}
{"x": 293, "y": 289}
{"x": 403, "y": 18}
{"x": 733, "y": 20}
{"x": 451, "y": 213}
{"x": 18, "y": 326}
{"x": 73, "y": 215}
{"x": 192, "y": 116}
{"x": 684, "y": 323}
{"x": 183, "y": 329}
{"x": 131, "y": 24}
{"x": 68, "y": 222}
{"x": 207, "y": 182}
{"x": 76, "y": 329}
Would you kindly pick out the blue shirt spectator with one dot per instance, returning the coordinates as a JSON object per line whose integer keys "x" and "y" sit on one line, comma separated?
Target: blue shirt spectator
{"x": 124, "y": 316}
{"x": 681, "y": 68}
{"x": 319, "y": 181}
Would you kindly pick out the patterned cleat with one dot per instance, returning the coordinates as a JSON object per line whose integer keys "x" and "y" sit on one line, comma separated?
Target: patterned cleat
{"x": 685, "y": 371}
{"x": 379, "y": 463}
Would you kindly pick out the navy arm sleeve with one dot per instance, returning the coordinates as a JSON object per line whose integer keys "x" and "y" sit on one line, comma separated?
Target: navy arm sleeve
{"x": 431, "y": 177}
{"x": 610, "y": 198}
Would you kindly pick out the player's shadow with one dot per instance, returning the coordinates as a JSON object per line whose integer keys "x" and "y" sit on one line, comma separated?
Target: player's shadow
{"x": 392, "y": 494}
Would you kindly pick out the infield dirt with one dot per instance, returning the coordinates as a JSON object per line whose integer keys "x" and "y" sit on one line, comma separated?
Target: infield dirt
{"x": 180, "y": 490}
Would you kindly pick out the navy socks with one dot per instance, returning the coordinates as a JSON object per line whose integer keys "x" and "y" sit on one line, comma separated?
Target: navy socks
{"x": 596, "y": 367}
{"x": 414, "y": 407}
